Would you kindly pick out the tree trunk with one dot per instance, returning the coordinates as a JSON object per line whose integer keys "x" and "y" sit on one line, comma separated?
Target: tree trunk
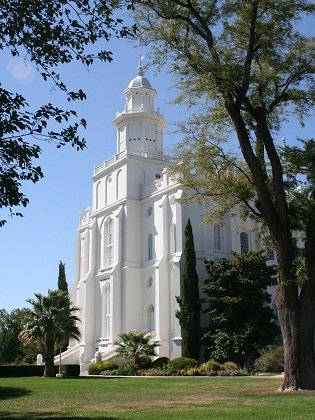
{"x": 49, "y": 357}
{"x": 297, "y": 323}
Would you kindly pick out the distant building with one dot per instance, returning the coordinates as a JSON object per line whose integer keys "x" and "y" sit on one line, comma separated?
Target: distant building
{"x": 130, "y": 241}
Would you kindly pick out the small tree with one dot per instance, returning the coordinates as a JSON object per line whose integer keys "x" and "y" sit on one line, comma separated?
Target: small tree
{"x": 240, "y": 317}
{"x": 52, "y": 320}
{"x": 62, "y": 282}
{"x": 135, "y": 346}
{"x": 189, "y": 302}
{"x": 11, "y": 348}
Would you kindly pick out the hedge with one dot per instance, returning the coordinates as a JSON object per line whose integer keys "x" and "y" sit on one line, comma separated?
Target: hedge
{"x": 16, "y": 371}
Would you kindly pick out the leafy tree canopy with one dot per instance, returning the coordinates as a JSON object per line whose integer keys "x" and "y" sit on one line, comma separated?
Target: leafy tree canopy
{"x": 248, "y": 68}
{"x": 11, "y": 349}
{"x": 47, "y": 34}
{"x": 237, "y": 300}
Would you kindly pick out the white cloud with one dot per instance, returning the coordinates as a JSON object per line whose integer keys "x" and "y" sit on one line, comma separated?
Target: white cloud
{"x": 21, "y": 70}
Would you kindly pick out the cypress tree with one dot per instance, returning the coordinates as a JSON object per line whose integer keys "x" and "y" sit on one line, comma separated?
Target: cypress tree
{"x": 189, "y": 302}
{"x": 62, "y": 282}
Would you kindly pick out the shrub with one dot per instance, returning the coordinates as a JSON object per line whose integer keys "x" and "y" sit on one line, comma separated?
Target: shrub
{"x": 70, "y": 370}
{"x": 182, "y": 363}
{"x": 129, "y": 369}
{"x": 229, "y": 366}
{"x": 211, "y": 365}
{"x": 270, "y": 360}
{"x": 160, "y": 362}
{"x": 193, "y": 371}
{"x": 98, "y": 367}
{"x": 7, "y": 371}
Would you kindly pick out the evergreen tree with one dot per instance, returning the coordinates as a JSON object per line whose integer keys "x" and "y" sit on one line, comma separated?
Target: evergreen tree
{"x": 189, "y": 302}
{"x": 240, "y": 319}
{"x": 62, "y": 282}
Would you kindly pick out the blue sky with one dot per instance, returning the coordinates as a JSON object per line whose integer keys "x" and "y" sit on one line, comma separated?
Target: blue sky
{"x": 31, "y": 247}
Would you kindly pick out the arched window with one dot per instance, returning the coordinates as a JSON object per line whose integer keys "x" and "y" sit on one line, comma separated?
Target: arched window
{"x": 218, "y": 237}
{"x": 270, "y": 253}
{"x": 173, "y": 239}
{"x": 107, "y": 310}
{"x": 109, "y": 243}
{"x": 244, "y": 242}
{"x": 149, "y": 318}
{"x": 150, "y": 247}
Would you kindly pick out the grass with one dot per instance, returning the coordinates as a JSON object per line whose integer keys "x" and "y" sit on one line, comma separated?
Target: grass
{"x": 146, "y": 398}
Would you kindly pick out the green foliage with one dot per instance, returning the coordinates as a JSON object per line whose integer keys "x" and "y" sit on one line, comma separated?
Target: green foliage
{"x": 229, "y": 366}
{"x": 47, "y": 34}
{"x": 21, "y": 371}
{"x": 270, "y": 360}
{"x": 51, "y": 322}
{"x": 182, "y": 363}
{"x": 246, "y": 76}
{"x": 62, "y": 282}
{"x": 101, "y": 366}
{"x": 189, "y": 302}
{"x": 240, "y": 319}
{"x": 211, "y": 365}
{"x": 130, "y": 369}
{"x": 160, "y": 362}
{"x": 136, "y": 346}
{"x": 11, "y": 348}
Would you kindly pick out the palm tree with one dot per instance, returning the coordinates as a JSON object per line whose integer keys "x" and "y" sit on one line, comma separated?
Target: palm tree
{"x": 136, "y": 346}
{"x": 52, "y": 322}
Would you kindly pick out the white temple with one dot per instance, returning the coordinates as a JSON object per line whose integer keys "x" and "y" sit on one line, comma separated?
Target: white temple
{"x": 130, "y": 241}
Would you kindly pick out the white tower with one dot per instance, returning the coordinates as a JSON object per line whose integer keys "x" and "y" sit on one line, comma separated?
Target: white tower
{"x": 139, "y": 126}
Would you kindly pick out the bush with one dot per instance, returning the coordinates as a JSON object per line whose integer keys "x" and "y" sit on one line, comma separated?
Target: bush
{"x": 270, "y": 360}
{"x": 160, "y": 362}
{"x": 98, "y": 367}
{"x": 70, "y": 370}
{"x": 211, "y": 365}
{"x": 229, "y": 366}
{"x": 7, "y": 371}
{"x": 128, "y": 370}
{"x": 182, "y": 363}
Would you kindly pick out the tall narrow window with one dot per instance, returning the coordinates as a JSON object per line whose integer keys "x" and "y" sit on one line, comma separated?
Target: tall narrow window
{"x": 218, "y": 237}
{"x": 107, "y": 310}
{"x": 109, "y": 243}
{"x": 150, "y": 247}
{"x": 173, "y": 239}
{"x": 244, "y": 242}
{"x": 270, "y": 254}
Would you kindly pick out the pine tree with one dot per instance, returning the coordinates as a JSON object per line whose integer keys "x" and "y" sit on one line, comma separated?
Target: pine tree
{"x": 189, "y": 302}
{"x": 62, "y": 282}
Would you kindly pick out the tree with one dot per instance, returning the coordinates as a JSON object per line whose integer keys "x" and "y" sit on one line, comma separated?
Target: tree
{"x": 62, "y": 282}
{"x": 248, "y": 76}
{"x": 240, "y": 317}
{"x": 135, "y": 346}
{"x": 189, "y": 302}
{"x": 11, "y": 349}
{"x": 52, "y": 321}
{"x": 47, "y": 34}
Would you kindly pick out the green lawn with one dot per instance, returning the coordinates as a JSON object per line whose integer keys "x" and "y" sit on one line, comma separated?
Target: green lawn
{"x": 152, "y": 398}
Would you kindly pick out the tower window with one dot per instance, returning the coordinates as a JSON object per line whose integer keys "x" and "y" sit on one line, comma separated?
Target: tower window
{"x": 150, "y": 247}
{"x": 244, "y": 242}
{"x": 218, "y": 237}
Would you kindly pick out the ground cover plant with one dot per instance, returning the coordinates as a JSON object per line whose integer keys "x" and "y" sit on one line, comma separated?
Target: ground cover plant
{"x": 158, "y": 398}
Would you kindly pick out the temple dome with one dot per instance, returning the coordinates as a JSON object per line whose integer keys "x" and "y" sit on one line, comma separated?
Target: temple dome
{"x": 140, "y": 81}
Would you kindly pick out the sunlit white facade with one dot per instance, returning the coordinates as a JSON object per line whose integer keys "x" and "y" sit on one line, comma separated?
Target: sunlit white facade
{"x": 130, "y": 241}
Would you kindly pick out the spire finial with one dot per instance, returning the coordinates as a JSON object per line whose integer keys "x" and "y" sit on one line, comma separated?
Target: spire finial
{"x": 140, "y": 71}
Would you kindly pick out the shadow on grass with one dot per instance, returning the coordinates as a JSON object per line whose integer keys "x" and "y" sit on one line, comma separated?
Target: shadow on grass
{"x": 7, "y": 392}
{"x": 49, "y": 415}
